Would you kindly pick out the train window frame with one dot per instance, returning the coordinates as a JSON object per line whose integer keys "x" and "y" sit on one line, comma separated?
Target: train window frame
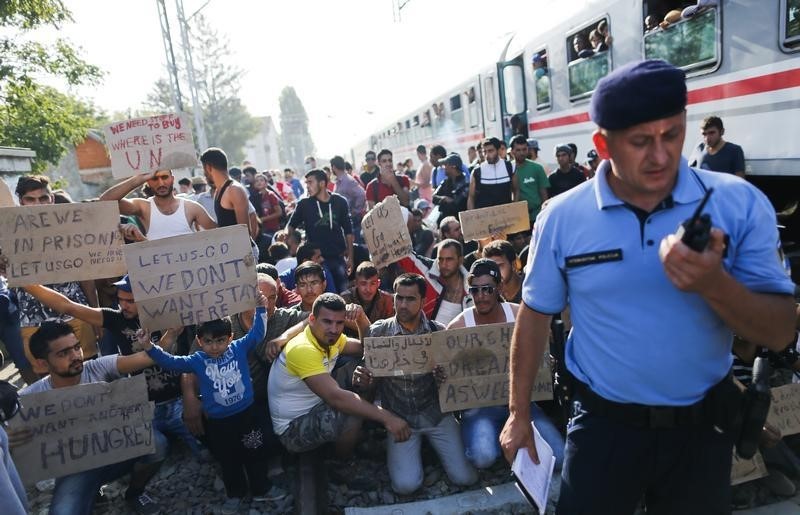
{"x": 490, "y": 98}
{"x": 788, "y": 43}
{"x": 472, "y": 106}
{"x": 705, "y": 66}
{"x": 545, "y": 106}
{"x": 456, "y": 111}
{"x": 570, "y": 35}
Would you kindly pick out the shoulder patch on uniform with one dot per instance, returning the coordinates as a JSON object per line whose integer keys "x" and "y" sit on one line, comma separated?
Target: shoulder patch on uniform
{"x": 593, "y": 258}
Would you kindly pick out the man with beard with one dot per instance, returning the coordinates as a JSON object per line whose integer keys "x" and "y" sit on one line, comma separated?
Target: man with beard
{"x": 480, "y": 427}
{"x": 56, "y": 348}
{"x": 449, "y": 270}
{"x": 415, "y": 399}
{"x": 163, "y": 214}
{"x": 163, "y": 387}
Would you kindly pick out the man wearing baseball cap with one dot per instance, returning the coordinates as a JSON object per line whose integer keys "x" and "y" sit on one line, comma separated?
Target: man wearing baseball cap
{"x": 653, "y": 319}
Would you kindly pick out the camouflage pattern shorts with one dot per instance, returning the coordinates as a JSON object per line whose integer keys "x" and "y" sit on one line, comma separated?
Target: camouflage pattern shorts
{"x": 320, "y": 425}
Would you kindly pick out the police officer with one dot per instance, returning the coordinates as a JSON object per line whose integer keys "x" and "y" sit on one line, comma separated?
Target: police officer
{"x": 652, "y": 318}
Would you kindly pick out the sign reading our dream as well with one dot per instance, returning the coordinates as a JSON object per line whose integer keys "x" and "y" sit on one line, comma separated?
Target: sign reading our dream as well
{"x": 192, "y": 278}
{"x": 57, "y": 243}
{"x": 481, "y": 223}
{"x": 476, "y": 361}
{"x": 385, "y": 232}
{"x": 406, "y": 354}
{"x": 149, "y": 144}
{"x": 83, "y": 427}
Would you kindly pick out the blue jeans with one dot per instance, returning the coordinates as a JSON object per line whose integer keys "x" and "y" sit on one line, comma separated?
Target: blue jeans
{"x": 480, "y": 430}
{"x": 338, "y": 267}
{"x": 168, "y": 418}
{"x": 75, "y": 494}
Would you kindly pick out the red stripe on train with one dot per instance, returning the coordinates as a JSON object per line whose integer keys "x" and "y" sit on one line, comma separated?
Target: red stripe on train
{"x": 739, "y": 88}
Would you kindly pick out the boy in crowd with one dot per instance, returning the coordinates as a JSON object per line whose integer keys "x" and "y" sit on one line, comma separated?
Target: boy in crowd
{"x": 234, "y": 426}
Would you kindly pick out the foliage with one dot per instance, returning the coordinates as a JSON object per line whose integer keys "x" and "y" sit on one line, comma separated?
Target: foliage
{"x": 33, "y": 115}
{"x": 296, "y": 140}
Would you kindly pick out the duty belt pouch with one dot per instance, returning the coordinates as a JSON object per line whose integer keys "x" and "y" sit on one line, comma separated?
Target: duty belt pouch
{"x": 724, "y": 405}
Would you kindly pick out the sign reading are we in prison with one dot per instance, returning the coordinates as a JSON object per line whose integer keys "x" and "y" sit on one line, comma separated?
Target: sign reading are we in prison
{"x": 83, "y": 427}
{"x": 149, "y": 144}
{"x": 61, "y": 242}
{"x": 193, "y": 278}
{"x": 477, "y": 363}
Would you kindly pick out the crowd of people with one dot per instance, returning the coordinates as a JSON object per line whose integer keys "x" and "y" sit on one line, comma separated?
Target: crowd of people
{"x": 288, "y": 376}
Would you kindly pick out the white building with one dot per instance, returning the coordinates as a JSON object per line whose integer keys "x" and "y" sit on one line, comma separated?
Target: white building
{"x": 262, "y": 149}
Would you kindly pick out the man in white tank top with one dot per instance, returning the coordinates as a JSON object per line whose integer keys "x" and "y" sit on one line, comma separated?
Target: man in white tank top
{"x": 449, "y": 270}
{"x": 480, "y": 427}
{"x": 164, "y": 214}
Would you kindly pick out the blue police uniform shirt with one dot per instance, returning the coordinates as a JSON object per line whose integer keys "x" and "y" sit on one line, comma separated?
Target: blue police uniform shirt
{"x": 636, "y": 337}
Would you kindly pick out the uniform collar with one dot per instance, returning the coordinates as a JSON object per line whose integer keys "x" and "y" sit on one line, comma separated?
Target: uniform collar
{"x": 687, "y": 189}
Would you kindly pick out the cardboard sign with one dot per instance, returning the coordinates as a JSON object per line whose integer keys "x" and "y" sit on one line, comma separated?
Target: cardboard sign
{"x": 399, "y": 355}
{"x": 477, "y": 363}
{"x": 83, "y": 427}
{"x": 192, "y": 278}
{"x": 481, "y": 223}
{"x": 743, "y": 471}
{"x": 149, "y": 144}
{"x": 61, "y": 242}
{"x": 784, "y": 411}
{"x": 385, "y": 233}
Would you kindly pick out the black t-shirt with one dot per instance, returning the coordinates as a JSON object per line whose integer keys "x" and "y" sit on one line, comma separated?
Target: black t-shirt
{"x": 366, "y": 177}
{"x": 421, "y": 240}
{"x": 326, "y": 223}
{"x": 728, "y": 159}
{"x": 162, "y": 385}
{"x": 561, "y": 182}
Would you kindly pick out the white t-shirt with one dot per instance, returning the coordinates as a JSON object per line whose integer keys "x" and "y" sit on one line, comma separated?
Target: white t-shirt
{"x": 100, "y": 370}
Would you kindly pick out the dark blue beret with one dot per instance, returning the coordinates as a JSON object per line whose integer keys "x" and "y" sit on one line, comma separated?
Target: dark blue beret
{"x": 638, "y": 92}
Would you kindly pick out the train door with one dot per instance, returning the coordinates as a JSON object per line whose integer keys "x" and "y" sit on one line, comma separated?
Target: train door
{"x": 513, "y": 98}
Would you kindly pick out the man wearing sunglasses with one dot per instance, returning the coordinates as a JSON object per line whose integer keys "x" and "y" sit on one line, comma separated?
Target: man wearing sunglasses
{"x": 480, "y": 427}
{"x": 371, "y": 169}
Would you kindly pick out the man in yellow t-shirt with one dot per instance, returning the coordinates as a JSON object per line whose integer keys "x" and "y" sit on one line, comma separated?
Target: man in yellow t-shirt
{"x": 307, "y": 405}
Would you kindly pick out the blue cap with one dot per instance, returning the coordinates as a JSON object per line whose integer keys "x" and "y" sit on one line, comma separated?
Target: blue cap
{"x": 124, "y": 284}
{"x": 637, "y": 93}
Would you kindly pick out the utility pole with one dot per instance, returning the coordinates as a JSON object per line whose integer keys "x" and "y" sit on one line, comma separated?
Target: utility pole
{"x": 187, "y": 53}
{"x": 172, "y": 68}
{"x": 397, "y": 7}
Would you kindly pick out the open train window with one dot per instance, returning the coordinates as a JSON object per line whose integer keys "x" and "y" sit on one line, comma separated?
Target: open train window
{"x": 790, "y": 24}
{"x": 541, "y": 79}
{"x": 472, "y": 106}
{"x": 681, "y": 33}
{"x": 489, "y": 96}
{"x": 456, "y": 112}
{"x": 589, "y": 57}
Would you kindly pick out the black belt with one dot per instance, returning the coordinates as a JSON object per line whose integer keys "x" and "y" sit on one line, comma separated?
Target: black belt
{"x": 642, "y": 416}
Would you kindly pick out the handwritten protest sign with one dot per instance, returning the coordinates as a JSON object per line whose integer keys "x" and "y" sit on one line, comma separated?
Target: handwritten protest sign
{"x": 6, "y": 198}
{"x": 83, "y": 427}
{"x": 399, "y": 355}
{"x": 193, "y": 278}
{"x": 149, "y": 144}
{"x": 385, "y": 233}
{"x": 476, "y": 361}
{"x": 61, "y": 242}
{"x": 486, "y": 221}
{"x": 743, "y": 470}
{"x": 784, "y": 411}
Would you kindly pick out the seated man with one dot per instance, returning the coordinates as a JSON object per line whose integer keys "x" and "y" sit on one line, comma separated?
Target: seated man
{"x": 307, "y": 405}
{"x": 308, "y": 252}
{"x": 480, "y": 427}
{"x": 56, "y": 349}
{"x": 377, "y": 304}
{"x": 416, "y": 399}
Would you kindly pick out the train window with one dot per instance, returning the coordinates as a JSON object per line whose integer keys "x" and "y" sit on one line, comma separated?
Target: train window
{"x": 790, "y": 24}
{"x": 416, "y": 120}
{"x": 472, "y": 106}
{"x": 456, "y": 112}
{"x": 513, "y": 89}
{"x": 541, "y": 78}
{"x": 687, "y": 38}
{"x": 488, "y": 98}
{"x": 589, "y": 58}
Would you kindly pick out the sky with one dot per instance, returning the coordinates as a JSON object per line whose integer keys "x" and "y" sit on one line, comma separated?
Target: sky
{"x": 353, "y": 66}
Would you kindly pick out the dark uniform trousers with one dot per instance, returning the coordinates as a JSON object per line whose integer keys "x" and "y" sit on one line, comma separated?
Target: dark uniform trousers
{"x": 610, "y": 466}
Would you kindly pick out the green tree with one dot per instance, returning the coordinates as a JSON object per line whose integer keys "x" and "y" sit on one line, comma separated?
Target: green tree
{"x": 227, "y": 122}
{"x": 31, "y": 114}
{"x": 296, "y": 142}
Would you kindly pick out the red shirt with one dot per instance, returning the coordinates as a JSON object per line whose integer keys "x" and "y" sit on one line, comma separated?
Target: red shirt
{"x": 269, "y": 201}
{"x": 382, "y": 189}
{"x": 287, "y": 298}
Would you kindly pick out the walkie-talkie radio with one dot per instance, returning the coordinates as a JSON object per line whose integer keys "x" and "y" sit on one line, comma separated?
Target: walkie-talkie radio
{"x": 695, "y": 232}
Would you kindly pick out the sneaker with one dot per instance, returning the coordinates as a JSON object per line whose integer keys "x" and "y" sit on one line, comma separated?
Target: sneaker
{"x": 143, "y": 504}
{"x": 274, "y": 493}
{"x": 231, "y": 506}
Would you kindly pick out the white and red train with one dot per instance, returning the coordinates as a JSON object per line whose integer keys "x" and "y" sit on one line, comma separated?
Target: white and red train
{"x": 742, "y": 59}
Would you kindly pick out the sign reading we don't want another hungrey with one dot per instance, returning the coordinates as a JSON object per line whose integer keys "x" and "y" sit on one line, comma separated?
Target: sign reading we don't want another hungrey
{"x": 476, "y": 361}
{"x": 83, "y": 427}
{"x": 193, "y": 278}
{"x": 57, "y": 243}
{"x": 148, "y": 144}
